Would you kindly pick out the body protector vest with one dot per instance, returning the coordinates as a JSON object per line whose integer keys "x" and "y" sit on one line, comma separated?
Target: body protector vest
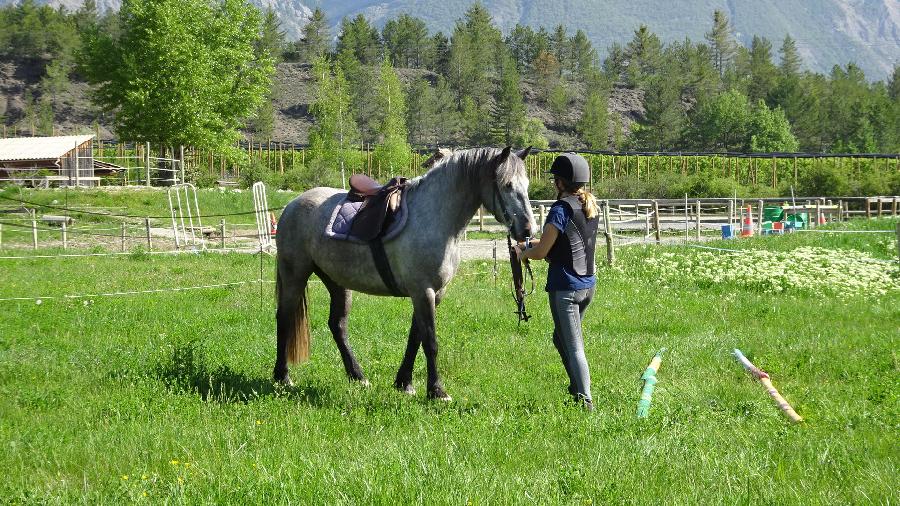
{"x": 574, "y": 248}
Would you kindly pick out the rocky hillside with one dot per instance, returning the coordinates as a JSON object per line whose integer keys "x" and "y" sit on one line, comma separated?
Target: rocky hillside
{"x": 294, "y": 90}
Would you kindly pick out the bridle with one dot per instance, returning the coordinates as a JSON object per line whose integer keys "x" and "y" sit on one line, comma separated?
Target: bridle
{"x": 518, "y": 274}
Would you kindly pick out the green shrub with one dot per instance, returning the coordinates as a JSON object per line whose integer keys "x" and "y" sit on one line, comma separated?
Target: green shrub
{"x": 823, "y": 180}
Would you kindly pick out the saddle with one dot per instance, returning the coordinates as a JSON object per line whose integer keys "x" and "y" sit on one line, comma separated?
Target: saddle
{"x": 370, "y": 210}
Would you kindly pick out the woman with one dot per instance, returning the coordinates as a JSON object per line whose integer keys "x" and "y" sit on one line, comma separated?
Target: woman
{"x": 567, "y": 242}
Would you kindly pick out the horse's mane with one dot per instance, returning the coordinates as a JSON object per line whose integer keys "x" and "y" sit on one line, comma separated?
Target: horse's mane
{"x": 472, "y": 163}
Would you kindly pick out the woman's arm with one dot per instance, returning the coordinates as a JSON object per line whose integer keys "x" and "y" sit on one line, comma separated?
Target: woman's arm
{"x": 539, "y": 247}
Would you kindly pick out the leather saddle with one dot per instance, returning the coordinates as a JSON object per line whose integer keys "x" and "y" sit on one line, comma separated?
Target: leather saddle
{"x": 380, "y": 205}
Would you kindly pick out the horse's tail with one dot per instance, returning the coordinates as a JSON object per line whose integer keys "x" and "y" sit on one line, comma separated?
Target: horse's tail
{"x": 292, "y": 320}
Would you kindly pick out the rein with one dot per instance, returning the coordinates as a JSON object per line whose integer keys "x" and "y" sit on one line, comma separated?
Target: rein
{"x": 518, "y": 274}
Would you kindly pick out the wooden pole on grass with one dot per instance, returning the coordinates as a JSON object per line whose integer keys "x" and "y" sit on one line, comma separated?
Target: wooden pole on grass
{"x": 65, "y": 239}
{"x": 147, "y": 228}
{"x": 123, "y": 236}
{"x": 147, "y": 161}
{"x": 898, "y": 242}
{"x": 610, "y": 254}
{"x": 222, "y": 232}
{"x": 656, "y": 221}
{"x": 698, "y": 219}
{"x": 34, "y": 229}
{"x": 759, "y": 225}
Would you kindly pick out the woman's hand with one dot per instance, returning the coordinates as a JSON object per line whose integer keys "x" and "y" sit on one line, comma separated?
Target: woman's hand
{"x": 520, "y": 250}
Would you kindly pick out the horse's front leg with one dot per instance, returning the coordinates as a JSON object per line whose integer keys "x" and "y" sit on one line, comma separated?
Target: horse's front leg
{"x": 424, "y": 315}
{"x": 403, "y": 381}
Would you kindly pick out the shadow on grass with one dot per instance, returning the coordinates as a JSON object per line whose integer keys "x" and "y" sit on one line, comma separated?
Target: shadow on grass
{"x": 187, "y": 372}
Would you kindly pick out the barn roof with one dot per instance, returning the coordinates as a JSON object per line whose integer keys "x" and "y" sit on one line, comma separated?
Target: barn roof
{"x": 39, "y": 148}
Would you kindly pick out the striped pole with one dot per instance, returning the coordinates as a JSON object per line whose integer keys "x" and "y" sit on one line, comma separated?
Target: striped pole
{"x": 763, "y": 378}
{"x": 649, "y": 379}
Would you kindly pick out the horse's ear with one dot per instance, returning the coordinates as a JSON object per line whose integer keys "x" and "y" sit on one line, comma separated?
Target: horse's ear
{"x": 439, "y": 154}
{"x": 503, "y": 155}
{"x": 522, "y": 154}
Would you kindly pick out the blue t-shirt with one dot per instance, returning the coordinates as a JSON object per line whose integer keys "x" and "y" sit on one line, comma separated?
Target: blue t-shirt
{"x": 560, "y": 277}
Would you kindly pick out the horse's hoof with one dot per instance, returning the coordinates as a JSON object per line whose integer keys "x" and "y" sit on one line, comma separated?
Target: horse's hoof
{"x": 364, "y": 383}
{"x": 439, "y": 394}
{"x": 406, "y": 388}
{"x": 285, "y": 382}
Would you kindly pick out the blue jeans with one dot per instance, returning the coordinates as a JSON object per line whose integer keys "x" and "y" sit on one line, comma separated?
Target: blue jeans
{"x": 567, "y": 308}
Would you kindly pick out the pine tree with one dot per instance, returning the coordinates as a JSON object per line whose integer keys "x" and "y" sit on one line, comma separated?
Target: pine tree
{"x": 559, "y": 45}
{"x": 509, "y": 107}
{"x": 663, "y": 117}
{"x": 271, "y": 40}
{"x": 592, "y": 127}
{"x": 644, "y": 56}
{"x": 314, "y": 38}
{"x": 521, "y": 45}
{"x": 763, "y": 73}
{"x": 583, "y": 56}
{"x": 445, "y": 117}
{"x": 393, "y": 151}
{"x": 359, "y": 38}
{"x": 790, "y": 58}
{"x": 406, "y": 41}
{"x": 721, "y": 41}
{"x": 546, "y": 68}
{"x": 419, "y": 100}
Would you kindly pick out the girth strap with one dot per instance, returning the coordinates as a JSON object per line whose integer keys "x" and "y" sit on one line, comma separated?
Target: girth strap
{"x": 384, "y": 266}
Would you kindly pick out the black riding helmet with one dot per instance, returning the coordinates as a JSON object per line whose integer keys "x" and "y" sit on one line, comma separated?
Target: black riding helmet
{"x": 571, "y": 167}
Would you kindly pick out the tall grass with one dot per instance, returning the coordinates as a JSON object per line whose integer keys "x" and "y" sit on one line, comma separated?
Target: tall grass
{"x": 167, "y": 397}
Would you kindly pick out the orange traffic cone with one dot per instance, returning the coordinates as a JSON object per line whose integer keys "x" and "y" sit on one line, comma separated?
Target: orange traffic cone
{"x": 273, "y": 222}
{"x": 747, "y": 223}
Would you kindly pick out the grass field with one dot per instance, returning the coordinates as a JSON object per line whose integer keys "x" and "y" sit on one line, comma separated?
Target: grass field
{"x": 166, "y": 396}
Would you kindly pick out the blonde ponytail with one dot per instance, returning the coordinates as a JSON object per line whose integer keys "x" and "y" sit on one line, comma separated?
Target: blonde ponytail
{"x": 588, "y": 203}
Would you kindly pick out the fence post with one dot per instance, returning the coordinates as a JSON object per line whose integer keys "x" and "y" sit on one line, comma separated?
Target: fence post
{"x": 147, "y": 160}
{"x": 894, "y": 207}
{"x": 222, "y": 232}
{"x": 181, "y": 163}
{"x": 34, "y": 229}
{"x": 656, "y": 221}
{"x": 481, "y": 218}
{"x": 818, "y": 212}
{"x": 77, "y": 176}
{"x": 698, "y": 219}
{"x": 123, "y": 236}
{"x": 147, "y": 228}
{"x": 868, "y": 208}
{"x": 543, "y": 213}
{"x": 840, "y": 210}
{"x": 731, "y": 213}
{"x": 610, "y": 254}
{"x": 759, "y": 226}
{"x": 65, "y": 240}
{"x": 898, "y": 242}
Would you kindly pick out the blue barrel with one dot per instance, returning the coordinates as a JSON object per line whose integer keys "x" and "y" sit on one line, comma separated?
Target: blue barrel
{"x": 727, "y": 232}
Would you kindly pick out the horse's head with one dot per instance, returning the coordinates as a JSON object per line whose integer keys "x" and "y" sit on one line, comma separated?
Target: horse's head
{"x": 505, "y": 193}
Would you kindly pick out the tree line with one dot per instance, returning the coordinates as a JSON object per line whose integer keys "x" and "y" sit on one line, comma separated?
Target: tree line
{"x": 401, "y": 86}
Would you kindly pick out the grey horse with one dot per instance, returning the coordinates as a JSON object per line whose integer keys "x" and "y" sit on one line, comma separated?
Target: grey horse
{"x": 423, "y": 257}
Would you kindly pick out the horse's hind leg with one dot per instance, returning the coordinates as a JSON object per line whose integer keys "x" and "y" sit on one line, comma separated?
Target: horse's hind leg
{"x": 341, "y": 301}
{"x": 291, "y": 319}
{"x": 403, "y": 381}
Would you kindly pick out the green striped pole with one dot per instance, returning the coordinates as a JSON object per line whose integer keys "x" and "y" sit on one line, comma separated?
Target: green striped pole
{"x": 649, "y": 379}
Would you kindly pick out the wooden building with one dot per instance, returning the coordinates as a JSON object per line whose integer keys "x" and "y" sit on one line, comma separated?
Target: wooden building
{"x": 45, "y": 161}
